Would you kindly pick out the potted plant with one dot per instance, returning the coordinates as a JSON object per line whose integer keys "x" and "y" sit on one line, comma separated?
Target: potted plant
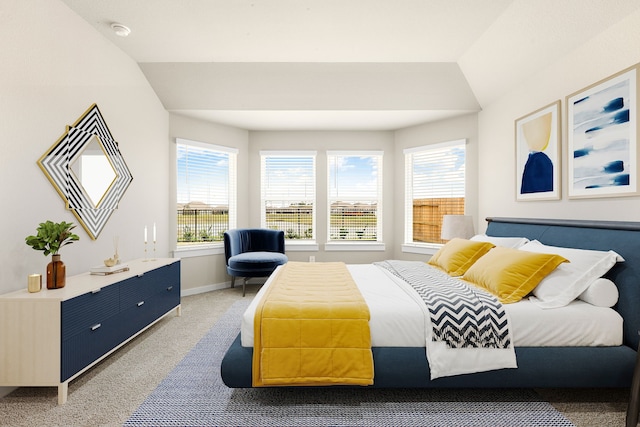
{"x": 50, "y": 238}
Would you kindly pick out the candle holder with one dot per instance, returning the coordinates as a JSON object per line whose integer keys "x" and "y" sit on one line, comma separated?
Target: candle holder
{"x": 34, "y": 283}
{"x": 154, "y": 251}
{"x": 116, "y": 257}
{"x": 145, "y": 245}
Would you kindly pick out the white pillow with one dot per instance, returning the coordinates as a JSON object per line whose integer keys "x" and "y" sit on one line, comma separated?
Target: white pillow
{"x": 571, "y": 278}
{"x": 601, "y": 293}
{"x": 507, "y": 242}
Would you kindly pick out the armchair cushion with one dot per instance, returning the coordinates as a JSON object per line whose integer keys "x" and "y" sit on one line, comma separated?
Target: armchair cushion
{"x": 241, "y": 240}
{"x": 256, "y": 264}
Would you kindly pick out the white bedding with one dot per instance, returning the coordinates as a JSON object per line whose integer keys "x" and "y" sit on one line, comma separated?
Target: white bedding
{"x": 398, "y": 321}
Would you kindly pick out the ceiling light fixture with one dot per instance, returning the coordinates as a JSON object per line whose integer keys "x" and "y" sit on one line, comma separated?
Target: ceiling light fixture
{"x": 121, "y": 30}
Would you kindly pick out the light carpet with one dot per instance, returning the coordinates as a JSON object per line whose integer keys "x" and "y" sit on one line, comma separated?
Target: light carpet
{"x": 193, "y": 394}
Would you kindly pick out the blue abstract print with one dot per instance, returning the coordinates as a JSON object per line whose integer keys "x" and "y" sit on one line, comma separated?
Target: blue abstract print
{"x": 601, "y": 136}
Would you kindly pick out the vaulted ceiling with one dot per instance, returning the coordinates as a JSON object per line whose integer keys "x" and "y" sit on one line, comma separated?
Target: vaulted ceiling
{"x": 343, "y": 64}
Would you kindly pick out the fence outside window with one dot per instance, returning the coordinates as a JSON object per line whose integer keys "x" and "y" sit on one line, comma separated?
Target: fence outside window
{"x": 427, "y": 217}
{"x": 353, "y": 221}
{"x": 204, "y": 224}
{"x": 296, "y": 220}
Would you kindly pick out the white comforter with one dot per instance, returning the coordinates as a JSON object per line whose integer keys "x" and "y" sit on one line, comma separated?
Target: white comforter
{"x": 398, "y": 319}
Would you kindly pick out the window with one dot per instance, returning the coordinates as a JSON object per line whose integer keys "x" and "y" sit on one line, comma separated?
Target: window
{"x": 206, "y": 190}
{"x": 355, "y": 195}
{"x": 288, "y": 193}
{"x": 434, "y": 186}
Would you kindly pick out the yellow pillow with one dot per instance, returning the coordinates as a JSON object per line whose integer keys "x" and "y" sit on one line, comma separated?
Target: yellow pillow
{"x": 457, "y": 255}
{"x": 510, "y": 274}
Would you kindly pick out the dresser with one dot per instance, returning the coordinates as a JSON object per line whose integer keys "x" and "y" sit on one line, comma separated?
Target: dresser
{"x": 50, "y": 337}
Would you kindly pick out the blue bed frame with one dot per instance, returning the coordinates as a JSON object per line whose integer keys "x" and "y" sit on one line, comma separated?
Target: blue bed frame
{"x": 539, "y": 367}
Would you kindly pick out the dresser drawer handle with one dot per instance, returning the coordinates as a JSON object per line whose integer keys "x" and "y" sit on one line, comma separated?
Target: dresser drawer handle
{"x": 140, "y": 303}
{"x": 96, "y": 326}
{"x": 170, "y": 288}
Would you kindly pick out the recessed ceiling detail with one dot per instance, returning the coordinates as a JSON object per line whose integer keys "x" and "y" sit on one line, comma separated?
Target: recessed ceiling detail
{"x": 198, "y": 67}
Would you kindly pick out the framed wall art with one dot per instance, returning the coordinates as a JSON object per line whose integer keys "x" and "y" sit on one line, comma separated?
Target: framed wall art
{"x": 602, "y": 127}
{"x": 538, "y": 154}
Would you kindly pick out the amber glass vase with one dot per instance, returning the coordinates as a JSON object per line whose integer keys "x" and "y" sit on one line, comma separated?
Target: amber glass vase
{"x": 56, "y": 273}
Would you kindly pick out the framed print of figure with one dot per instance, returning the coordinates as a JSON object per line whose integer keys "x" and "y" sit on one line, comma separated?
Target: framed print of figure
{"x": 538, "y": 154}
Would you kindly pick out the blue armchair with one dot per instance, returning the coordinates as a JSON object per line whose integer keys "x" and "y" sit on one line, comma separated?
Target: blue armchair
{"x": 253, "y": 252}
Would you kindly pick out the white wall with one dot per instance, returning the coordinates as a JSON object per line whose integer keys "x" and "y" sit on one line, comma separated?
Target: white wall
{"x": 54, "y": 66}
{"x": 609, "y": 52}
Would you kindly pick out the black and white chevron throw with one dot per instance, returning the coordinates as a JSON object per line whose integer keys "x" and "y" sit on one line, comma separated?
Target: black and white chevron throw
{"x": 462, "y": 316}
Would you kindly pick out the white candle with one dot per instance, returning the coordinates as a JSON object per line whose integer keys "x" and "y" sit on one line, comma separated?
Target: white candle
{"x": 154, "y": 232}
{"x": 145, "y": 234}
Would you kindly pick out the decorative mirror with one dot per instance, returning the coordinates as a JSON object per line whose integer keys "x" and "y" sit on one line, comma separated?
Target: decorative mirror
{"x": 93, "y": 169}
{"x": 88, "y": 171}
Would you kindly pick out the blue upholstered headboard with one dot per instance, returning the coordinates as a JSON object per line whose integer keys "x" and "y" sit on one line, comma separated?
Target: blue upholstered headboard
{"x": 622, "y": 237}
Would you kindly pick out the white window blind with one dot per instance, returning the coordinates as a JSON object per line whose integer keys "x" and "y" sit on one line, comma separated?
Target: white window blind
{"x": 288, "y": 192}
{"x": 434, "y": 186}
{"x": 206, "y": 192}
{"x": 355, "y": 195}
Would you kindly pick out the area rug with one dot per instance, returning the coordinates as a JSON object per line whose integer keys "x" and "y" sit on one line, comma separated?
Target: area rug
{"x": 193, "y": 394}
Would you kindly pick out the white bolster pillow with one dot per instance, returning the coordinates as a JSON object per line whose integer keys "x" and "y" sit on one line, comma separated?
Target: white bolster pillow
{"x": 601, "y": 293}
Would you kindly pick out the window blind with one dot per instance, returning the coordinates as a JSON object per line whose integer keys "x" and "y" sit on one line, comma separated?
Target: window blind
{"x": 434, "y": 187}
{"x": 288, "y": 192}
{"x": 206, "y": 192}
{"x": 355, "y": 195}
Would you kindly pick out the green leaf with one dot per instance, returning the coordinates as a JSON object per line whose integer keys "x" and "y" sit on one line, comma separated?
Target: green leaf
{"x": 50, "y": 237}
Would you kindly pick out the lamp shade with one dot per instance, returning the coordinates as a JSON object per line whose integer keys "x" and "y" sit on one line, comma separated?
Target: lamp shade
{"x": 453, "y": 226}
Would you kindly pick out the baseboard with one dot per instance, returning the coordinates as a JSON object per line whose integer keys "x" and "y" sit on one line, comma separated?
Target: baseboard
{"x": 6, "y": 390}
{"x": 215, "y": 287}
{"x": 203, "y": 289}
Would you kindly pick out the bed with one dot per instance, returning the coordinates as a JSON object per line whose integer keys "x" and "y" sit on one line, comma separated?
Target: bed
{"x": 608, "y": 364}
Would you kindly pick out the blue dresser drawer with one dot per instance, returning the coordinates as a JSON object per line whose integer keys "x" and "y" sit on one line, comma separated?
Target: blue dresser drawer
{"x": 166, "y": 277}
{"x": 85, "y": 347}
{"x": 137, "y": 317}
{"x": 168, "y": 298}
{"x": 82, "y": 312}
{"x": 135, "y": 290}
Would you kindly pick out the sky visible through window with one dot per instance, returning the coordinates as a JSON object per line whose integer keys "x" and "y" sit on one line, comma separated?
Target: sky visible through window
{"x": 202, "y": 176}
{"x": 353, "y": 176}
{"x": 440, "y": 173}
{"x": 288, "y": 179}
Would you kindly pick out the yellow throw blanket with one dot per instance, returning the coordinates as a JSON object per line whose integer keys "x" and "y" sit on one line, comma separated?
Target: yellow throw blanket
{"x": 312, "y": 328}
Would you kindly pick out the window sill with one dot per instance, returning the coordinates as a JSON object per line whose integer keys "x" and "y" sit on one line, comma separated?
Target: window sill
{"x": 189, "y": 252}
{"x": 196, "y": 251}
{"x": 354, "y": 246}
{"x": 425, "y": 249}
